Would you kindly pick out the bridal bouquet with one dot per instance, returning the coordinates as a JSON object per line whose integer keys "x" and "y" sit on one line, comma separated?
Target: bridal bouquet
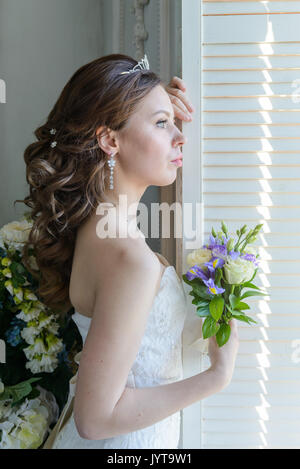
{"x": 218, "y": 274}
{"x": 39, "y": 345}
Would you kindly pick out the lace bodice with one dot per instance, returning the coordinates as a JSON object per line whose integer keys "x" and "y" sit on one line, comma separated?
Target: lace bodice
{"x": 158, "y": 362}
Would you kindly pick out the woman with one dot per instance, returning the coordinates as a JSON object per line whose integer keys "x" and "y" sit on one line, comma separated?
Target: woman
{"x": 129, "y": 302}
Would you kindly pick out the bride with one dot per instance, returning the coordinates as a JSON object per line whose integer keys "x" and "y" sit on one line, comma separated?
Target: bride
{"x": 112, "y": 132}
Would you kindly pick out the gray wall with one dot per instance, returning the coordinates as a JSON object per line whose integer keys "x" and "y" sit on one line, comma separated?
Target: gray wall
{"x": 42, "y": 43}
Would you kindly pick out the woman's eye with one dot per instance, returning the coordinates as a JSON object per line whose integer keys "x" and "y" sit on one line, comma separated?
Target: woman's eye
{"x": 161, "y": 122}
{"x": 165, "y": 121}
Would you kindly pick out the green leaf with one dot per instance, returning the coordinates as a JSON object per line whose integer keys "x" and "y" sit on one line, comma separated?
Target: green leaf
{"x": 223, "y": 334}
{"x": 18, "y": 391}
{"x": 201, "y": 290}
{"x": 252, "y": 293}
{"x": 250, "y": 285}
{"x": 244, "y": 318}
{"x": 233, "y": 311}
{"x": 203, "y": 310}
{"x": 216, "y": 307}
{"x": 242, "y": 305}
{"x": 233, "y": 300}
{"x": 210, "y": 327}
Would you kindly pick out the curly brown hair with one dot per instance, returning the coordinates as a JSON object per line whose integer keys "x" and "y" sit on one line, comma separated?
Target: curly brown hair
{"x": 67, "y": 182}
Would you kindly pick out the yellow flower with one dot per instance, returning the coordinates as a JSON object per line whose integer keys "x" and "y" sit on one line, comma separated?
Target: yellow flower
{"x": 5, "y": 261}
{"x": 7, "y": 272}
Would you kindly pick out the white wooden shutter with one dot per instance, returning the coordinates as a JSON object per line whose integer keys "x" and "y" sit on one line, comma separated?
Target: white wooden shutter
{"x": 250, "y": 126}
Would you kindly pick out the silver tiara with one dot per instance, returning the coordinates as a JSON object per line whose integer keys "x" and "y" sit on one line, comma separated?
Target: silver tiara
{"x": 143, "y": 64}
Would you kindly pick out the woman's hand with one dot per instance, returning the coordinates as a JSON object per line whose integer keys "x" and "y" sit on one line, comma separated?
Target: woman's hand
{"x": 182, "y": 107}
{"x": 223, "y": 358}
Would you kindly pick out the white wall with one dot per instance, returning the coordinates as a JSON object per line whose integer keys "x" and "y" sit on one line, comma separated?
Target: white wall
{"x": 42, "y": 43}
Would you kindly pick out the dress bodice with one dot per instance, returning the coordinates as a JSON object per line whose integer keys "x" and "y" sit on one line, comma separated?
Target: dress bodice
{"x": 159, "y": 356}
{"x": 157, "y": 362}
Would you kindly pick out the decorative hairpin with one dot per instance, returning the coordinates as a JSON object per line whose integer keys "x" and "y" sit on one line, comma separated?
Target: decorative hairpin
{"x": 53, "y": 132}
{"x": 143, "y": 64}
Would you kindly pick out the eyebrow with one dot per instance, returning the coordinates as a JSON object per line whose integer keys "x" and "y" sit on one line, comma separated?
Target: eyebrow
{"x": 162, "y": 110}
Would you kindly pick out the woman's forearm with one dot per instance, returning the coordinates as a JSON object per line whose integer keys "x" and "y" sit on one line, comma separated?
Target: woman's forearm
{"x": 141, "y": 407}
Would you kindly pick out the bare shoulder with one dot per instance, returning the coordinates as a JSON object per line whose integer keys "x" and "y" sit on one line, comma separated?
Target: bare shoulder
{"x": 113, "y": 257}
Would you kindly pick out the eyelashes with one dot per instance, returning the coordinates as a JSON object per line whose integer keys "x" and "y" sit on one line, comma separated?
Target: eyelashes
{"x": 165, "y": 121}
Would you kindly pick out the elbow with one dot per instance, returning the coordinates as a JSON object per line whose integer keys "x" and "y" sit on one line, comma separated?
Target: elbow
{"x": 90, "y": 431}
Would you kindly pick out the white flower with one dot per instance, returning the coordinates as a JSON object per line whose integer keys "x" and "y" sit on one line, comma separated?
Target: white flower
{"x": 18, "y": 292}
{"x": 55, "y": 344}
{"x": 238, "y": 271}
{"x": 198, "y": 256}
{"x": 29, "y": 333}
{"x": 7, "y": 272}
{"x": 45, "y": 320}
{"x": 1, "y": 386}
{"x": 25, "y": 427}
{"x": 8, "y": 285}
{"x": 53, "y": 328}
{"x": 15, "y": 234}
{"x": 29, "y": 295}
{"x": 46, "y": 363}
{"x": 37, "y": 348}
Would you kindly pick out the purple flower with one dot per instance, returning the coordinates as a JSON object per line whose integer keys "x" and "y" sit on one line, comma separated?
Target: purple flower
{"x": 220, "y": 251}
{"x": 251, "y": 258}
{"x": 214, "y": 264}
{"x": 212, "y": 287}
{"x": 196, "y": 272}
{"x": 234, "y": 255}
{"x": 215, "y": 242}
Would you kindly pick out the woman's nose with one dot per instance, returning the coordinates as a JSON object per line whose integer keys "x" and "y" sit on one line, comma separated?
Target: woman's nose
{"x": 180, "y": 139}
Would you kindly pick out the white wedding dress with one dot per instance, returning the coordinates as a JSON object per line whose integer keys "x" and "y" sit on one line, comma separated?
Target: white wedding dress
{"x": 158, "y": 362}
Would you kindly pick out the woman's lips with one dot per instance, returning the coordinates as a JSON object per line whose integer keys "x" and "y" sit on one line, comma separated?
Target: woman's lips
{"x": 177, "y": 162}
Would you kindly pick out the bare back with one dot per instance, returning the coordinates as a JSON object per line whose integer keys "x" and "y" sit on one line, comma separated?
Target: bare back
{"x": 82, "y": 289}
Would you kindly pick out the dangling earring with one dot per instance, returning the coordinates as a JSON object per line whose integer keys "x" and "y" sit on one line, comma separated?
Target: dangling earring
{"x": 111, "y": 163}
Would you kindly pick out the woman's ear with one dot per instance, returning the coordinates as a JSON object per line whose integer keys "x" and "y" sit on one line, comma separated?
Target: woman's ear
{"x": 106, "y": 139}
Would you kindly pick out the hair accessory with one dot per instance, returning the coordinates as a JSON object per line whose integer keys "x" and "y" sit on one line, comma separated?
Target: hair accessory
{"x": 53, "y": 132}
{"x": 111, "y": 163}
{"x": 143, "y": 64}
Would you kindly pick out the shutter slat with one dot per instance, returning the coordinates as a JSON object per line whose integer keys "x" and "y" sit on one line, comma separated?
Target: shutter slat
{"x": 251, "y": 175}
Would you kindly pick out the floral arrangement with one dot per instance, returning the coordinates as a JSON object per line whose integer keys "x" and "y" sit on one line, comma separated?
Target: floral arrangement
{"x": 40, "y": 345}
{"x": 24, "y": 423}
{"x": 219, "y": 272}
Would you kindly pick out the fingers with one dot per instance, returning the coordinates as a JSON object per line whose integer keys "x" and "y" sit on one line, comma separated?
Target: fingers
{"x": 179, "y": 110}
{"x": 177, "y": 88}
{"x": 176, "y": 81}
{"x": 182, "y": 97}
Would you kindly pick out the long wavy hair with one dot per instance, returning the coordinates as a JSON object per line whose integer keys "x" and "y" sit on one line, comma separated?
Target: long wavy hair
{"x": 68, "y": 181}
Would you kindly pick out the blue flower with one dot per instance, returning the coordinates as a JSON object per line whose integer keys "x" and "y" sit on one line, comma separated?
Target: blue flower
{"x": 63, "y": 356}
{"x": 13, "y": 335}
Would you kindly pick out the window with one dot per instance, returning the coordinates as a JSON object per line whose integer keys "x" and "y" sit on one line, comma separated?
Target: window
{"x": 241, "y": 64}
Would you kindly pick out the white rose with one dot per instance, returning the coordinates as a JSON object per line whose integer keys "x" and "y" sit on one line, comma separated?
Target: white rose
{"x": 198, "y": 256}
{"x": 238, "y": 271}
{"x": 15, "y": 234}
